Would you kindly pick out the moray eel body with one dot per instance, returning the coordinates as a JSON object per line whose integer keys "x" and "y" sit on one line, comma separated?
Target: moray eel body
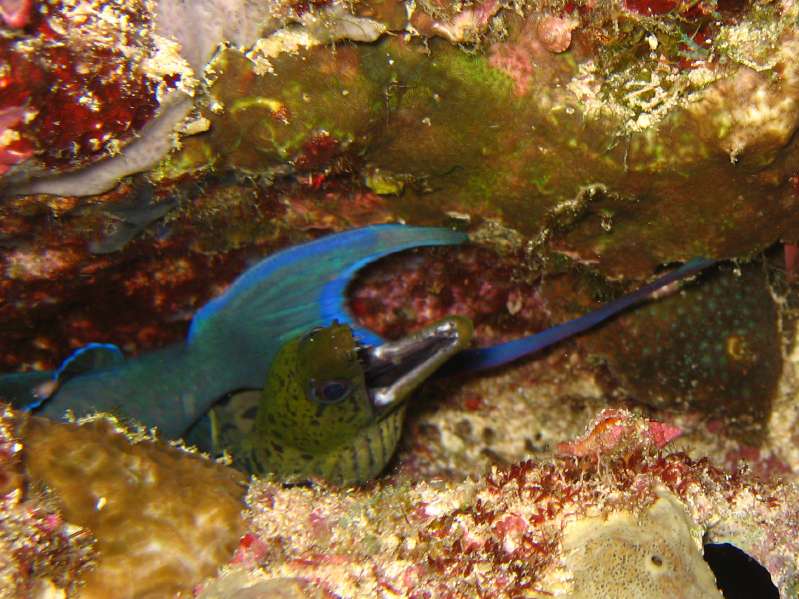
{"x": 333, "y": 409}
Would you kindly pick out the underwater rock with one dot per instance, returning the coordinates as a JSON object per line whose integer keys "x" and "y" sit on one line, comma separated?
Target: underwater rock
{"x": 624, "y": 517}
{"x": 164, "y": 518}
{"x": 713, "y": 347}
{"x": 593, "y": 151}
{"x": 590, "y": 128}
{"x": 42, "y": 554}
{"x": 251, "y": 585}
{"x": 67, "y": 134}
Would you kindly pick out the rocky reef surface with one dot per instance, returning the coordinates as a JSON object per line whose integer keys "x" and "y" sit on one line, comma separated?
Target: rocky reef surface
{"x": 611, "y": 513}
{"x": 150, "y": 150}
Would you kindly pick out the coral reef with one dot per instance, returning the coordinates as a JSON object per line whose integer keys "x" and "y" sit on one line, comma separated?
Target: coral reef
{"x": 655, "y": 104}
{"x": 41, "y": 553}
{"x": 645, "y": 126}
{"x": 163, "y": 517}
{"x": 616, "y": 517}
{"x": 628, "y": 130}
{"x": 610, "y": 512}
{"x": 582, "y": 144}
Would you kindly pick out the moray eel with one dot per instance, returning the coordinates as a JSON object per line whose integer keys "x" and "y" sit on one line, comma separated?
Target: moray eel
{"x": 266, "y": 327}
{"x": 333, "y": 409}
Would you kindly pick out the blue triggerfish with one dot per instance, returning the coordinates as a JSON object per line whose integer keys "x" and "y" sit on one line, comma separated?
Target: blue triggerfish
{"x": 283, "y": 325}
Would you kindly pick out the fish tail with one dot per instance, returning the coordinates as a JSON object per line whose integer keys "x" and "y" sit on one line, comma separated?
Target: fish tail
{"x": 26, "y": 390}
{"x": 504, "y": 353}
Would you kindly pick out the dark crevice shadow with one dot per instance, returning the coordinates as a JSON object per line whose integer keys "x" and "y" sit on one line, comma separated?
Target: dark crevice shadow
{"x": 738, "y": 575}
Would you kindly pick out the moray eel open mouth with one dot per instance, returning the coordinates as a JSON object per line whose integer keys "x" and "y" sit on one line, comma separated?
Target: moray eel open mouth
{"x": 395, "y": 368}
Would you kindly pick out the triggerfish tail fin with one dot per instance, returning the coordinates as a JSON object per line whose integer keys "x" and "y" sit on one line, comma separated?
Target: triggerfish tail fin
{"x": 22, "y": 389}
{"x": 28, "y": 390}
{"x": 504, "y": 353}
{"x": 294, "y": 290}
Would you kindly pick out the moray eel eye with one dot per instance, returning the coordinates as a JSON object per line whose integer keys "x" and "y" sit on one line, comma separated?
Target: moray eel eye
{"x": 330, "y": 392}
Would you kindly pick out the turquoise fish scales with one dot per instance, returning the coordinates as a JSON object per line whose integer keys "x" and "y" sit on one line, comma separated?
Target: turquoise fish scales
{"x": 234, "y": 338}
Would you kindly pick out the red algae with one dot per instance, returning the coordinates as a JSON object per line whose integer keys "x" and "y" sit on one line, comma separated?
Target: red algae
{"x": 408, "y": 291}
{"x": 16, "y": 13}
{"x": 527, "y": 528}
{"x": 71, "y": 118}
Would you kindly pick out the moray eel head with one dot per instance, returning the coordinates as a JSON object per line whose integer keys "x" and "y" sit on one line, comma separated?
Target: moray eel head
{"x": 333, "y": 409}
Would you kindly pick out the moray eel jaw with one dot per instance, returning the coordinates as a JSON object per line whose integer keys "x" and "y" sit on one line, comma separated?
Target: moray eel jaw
{"x": 333, "y": 409}
{"x": 394, "y": 369}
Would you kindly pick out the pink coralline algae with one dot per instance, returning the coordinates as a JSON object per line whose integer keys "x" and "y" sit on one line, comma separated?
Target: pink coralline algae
{"x": 532, "y": 529}
{"x": 415, "y": 289}
{"x": 555, "y": 33}
{"x": 613, "y": 427}
{"x": 462, "y": 26}
{"x": 15, "y": 13}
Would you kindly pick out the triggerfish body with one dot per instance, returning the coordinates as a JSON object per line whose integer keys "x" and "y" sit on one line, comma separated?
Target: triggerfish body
{"x": 334, "y": 391}
{"x": 232, "y": 340}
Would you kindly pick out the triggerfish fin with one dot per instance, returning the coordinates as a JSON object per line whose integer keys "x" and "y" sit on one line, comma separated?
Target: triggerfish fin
{"x": 472, "y": 360}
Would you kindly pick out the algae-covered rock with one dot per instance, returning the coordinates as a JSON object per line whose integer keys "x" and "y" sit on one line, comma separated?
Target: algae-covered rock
{"x": 611, "y": 514}
{"x": 42, "y": 553}
{"x": 164, "y": 518}
{"x": 596, "y": 150}
{"x": 589, "y": 128}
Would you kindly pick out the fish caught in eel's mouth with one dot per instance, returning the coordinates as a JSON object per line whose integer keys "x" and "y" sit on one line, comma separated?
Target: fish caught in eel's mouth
{"x": 394, "y": 369}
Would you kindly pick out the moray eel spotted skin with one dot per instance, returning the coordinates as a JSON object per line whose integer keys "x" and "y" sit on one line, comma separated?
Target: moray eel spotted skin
{"x": 268, "y": 323}
{"x": 332, "y": 409}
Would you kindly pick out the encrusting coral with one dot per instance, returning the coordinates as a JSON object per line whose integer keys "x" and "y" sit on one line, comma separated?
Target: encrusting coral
{"x": 611, "y": 514}
{"x": 163, "y": 517}
{"x": 41, "y": 552}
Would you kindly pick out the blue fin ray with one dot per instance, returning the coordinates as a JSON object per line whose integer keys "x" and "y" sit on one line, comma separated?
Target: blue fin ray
{"x": 296, "y": 289}
{"x": 477, "y": 359}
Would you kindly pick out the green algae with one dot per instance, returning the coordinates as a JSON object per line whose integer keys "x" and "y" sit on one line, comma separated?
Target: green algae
{"x": 630, "y": 106}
